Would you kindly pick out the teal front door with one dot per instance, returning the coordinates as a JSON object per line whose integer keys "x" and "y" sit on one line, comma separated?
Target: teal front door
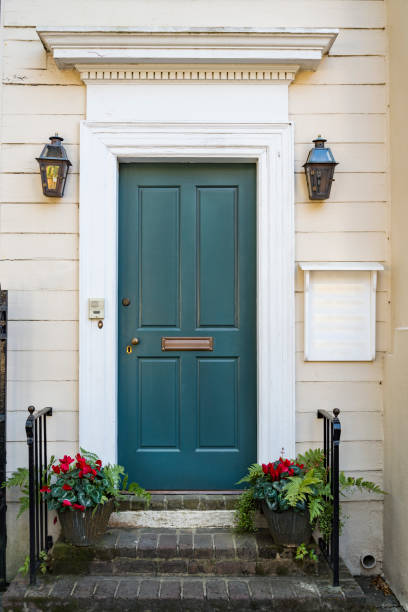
{"x": 187, "y": 298}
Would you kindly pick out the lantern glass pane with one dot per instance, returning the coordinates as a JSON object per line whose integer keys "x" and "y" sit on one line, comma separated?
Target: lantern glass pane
{"x": 52, "y": 176}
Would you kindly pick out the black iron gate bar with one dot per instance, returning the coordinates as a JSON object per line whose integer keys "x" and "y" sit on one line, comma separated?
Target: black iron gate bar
{"x": 36, "y": 430}
{"x": 331, "y": 446}
{"x": 3, "y": 441}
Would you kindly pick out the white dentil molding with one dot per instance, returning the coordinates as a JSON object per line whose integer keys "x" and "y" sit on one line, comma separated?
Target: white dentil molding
{"x": 302, "y": 47}
{"x": 128, "y": 74}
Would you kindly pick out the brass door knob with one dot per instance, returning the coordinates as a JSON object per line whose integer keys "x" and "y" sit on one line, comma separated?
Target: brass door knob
{"x": 134, "y": 341}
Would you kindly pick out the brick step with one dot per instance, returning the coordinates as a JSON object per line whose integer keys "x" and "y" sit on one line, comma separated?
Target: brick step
{"x": 198, "y": 551}
{"x": 123, "y": 594}
{"x": 180, "y": 501}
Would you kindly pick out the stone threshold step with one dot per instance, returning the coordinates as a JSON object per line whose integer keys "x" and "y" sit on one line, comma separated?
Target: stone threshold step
{"x": 181, "y": 501}
{"x": 182, "y": 552}
{"x": 178, "y": 518}
{"x": 91, "y": 594}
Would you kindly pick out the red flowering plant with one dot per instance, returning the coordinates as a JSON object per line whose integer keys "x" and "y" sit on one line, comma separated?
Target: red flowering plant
{"x": 302, "y": 485}
{"x": 81, "y": 483}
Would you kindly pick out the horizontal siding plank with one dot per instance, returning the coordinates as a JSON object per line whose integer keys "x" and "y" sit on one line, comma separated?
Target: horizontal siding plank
{"x": 347, "y": 396}
{"x": 42, "y": 365}
{"x": 60, "y": 421}
{"x": 339, "y": 128}
{"x": 345, "y": 70}
{"x": 297, "y": 13}
{"x": 50, "y": 76}
{"x": 338, "y": 371}
{"x": 17, "y": 451}
{"x": 43, "y": 99}
{"x": 381, "y": 339}
{"x": 27, "y": 188}
{"x": 22, "y": 158}
{"x": 349, "y": 187}
{"x": 341, "y": 217}
{"x": 31, "y": 128}
{"x": 341, "y": 246}
{"x": 354, "y": 495}
{"x": 360, "y": 42}
{"x": 354, "y": 157}
{"x": 42, "y": 336}
{"x": 61, "y": 395}
{"x": 38, "y": 246}
{"x": 362, "y": 456}
{"x": 355, "y": 426}
{"x": 337, "y": 99}
{"x": 32, "y": 275}
{"x": 25, "y": 33}
{"x": 19, "y": 54}
{"x": 39, "y": 218}
{"x": 43, "y": 305}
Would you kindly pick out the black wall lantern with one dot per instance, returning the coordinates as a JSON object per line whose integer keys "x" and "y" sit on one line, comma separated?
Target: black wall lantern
{"x": 319, "y": 170}
{"x": 54, "y": 165}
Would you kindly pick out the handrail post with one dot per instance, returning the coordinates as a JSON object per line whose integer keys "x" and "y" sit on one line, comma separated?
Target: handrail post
{"x": 331, "y": 440}
{"x": 31, "y": 488}
{"x": 336, "y": 496}
{"x": 3, "y": 436}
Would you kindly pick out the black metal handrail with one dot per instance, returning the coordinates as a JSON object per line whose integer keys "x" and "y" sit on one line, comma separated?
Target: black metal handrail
{"x": 331, "y": 445}
{"x": 36, "y": 430}
{"x": 3, "y": 431}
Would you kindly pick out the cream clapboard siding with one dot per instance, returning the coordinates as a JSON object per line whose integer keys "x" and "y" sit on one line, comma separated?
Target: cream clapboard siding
{"x": 345, "y": 100}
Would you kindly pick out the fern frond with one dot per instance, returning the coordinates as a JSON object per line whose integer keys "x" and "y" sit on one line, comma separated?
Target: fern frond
{"x": 90, "y": 457}
{"x": 297, "y": 488}
{"x": 315, "y": 508}
{"x": 347, "y": 482}
{"x": 19, "y": 478}
{"x": 312, "y": 458}
{"x": 254, "y": 472}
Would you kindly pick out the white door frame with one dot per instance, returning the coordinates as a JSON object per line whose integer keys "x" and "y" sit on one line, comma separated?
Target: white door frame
{"x": 103, "y": 146}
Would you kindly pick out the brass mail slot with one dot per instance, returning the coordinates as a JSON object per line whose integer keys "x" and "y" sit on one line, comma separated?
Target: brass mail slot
{"x": 187, "y": 344}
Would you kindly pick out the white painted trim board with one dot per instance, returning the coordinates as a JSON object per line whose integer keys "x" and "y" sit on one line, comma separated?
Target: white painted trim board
{"x": 103, "y": 145}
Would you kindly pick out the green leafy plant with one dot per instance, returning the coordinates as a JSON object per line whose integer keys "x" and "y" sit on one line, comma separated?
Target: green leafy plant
{"x": 303, "y": 552}
{"x": 19, "y": 479}
{"x": 303, "y": 485}
{"x": 24, "y": 569}
{"x": 84, "y": 483}
{"x": 245, "y": 512}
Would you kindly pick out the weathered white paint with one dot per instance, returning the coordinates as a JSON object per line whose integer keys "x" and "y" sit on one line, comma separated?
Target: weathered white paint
{"x": 174, "y": 45}
{"x": 102, "y": 145}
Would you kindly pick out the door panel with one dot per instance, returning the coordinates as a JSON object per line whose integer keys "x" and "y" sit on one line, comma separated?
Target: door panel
{"x": 217, "y": 381}
{"x": 187, "y": 263}
{"x": 159, "y": 387}
{"x": 217, "y": 256}
{"x": 159, "y": 257}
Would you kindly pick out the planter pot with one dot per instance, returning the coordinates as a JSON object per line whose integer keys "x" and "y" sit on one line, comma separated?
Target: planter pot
{"x": 83, "y": 528}
{"x": 288, "y": 528}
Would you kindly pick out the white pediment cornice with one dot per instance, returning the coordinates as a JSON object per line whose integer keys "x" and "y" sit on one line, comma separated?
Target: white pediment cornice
{"x": 271, "y": 48}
